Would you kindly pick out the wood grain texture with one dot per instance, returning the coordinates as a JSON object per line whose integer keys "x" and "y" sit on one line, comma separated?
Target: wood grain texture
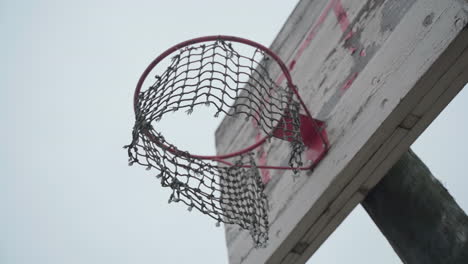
{"x": 417, "y": 215}
{"x": 377, "y": 72}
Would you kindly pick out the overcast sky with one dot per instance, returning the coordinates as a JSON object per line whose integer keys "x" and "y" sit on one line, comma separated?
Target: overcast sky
{"x": 67, "y": 74}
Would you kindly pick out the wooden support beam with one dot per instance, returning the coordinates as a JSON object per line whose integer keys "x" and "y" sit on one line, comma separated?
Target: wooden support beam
{"x": 417, "y": 215}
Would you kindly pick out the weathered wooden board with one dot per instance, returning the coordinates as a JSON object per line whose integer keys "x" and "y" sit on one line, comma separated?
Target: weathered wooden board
{"x": 377, "y": 72}
{"x": 417, "y": 215}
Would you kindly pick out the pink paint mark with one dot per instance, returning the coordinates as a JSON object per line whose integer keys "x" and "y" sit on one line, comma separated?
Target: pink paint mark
{"x": 291, "y": 65}
{"x": 349, "y": 82}
{"x": 266, "y": 177}
{"x": 349, "y": 35}
{"x": 342, "y": 17}
{"x": 302, "y": 47}
{"x": 363, "y": 52}
{"x": 343, "y": 20}
{"x": 310, "y": 36}
{"x": 258, "y": 137}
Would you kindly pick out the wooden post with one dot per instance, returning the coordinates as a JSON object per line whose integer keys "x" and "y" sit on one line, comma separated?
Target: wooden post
{"x": 418, "y": 216}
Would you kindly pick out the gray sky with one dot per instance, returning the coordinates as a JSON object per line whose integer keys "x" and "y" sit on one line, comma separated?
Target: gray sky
{"x": 67, "y": 76}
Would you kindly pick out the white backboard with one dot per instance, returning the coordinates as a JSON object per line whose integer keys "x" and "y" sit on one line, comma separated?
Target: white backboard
{"x": 377, "y": 73}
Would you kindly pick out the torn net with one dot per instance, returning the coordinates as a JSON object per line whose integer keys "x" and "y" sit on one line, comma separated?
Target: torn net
{"x": 216, "y": 75}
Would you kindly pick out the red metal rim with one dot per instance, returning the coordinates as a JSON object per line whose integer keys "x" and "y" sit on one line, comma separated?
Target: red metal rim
{"x": 169, "y": 51}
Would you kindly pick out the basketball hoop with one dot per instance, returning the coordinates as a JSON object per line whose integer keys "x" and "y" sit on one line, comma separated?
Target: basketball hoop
{"x": 233, "y": 75}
